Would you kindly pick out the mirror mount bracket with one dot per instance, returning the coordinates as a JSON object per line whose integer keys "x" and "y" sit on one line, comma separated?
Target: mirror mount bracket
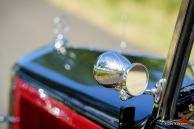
{"x": 124, "y": 95}
{"x": 156, "y": 91}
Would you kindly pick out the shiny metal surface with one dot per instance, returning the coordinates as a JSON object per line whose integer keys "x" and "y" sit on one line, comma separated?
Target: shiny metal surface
{"x": 137, "y": 77}
{"x": 176, "y": 62}
{"x": 110, "y": 68}
{"x": 157, "y": 90}
{"x": 114, "y": 71}
{"x": 131, "y": 79}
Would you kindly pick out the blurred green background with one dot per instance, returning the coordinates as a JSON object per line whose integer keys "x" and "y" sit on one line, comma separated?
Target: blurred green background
{"x": 148, "y": 24}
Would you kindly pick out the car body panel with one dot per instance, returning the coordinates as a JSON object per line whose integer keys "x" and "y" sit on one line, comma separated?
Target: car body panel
{"x": 44, "y": 112}
{"x": 69, "y": 78}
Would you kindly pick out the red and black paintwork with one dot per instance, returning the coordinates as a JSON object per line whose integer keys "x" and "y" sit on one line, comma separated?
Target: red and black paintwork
{"x": 43, "y": 112}
{"x": 68, "y": 79}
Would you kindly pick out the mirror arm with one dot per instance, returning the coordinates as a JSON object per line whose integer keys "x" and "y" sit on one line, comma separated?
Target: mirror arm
{"x": 157, "y": 90}
{"x": 150, "y": 91}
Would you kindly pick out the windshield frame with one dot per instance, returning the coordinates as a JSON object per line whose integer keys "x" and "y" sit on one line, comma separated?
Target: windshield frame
{"x": 176, "y": 63}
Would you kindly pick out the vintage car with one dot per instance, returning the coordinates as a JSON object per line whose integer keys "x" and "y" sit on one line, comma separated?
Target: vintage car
{"x": 63, "y": 87}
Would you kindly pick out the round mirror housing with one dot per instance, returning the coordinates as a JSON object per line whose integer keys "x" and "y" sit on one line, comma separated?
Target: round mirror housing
{"x": 136, "y": 79}
{"x": 115, "y": 71}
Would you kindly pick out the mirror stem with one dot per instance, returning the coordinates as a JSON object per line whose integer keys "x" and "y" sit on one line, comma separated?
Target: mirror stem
{"x": 152, "y": 91}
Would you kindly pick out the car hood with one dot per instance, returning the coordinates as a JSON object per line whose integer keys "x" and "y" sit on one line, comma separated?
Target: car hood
{"x": 71, "y": 76}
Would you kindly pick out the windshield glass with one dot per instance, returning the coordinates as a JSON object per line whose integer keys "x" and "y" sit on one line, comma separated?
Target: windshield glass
{"x": 140, "y": 26}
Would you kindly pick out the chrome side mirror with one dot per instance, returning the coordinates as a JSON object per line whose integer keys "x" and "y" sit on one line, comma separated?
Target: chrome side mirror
{"x": 114, "y": 71}
{"x": 131, "y": 79}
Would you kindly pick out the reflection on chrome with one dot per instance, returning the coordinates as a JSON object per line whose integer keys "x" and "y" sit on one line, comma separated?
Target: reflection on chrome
{"x": 131, "y": 79}
{"x": 137, "y": 79}
{"x": 114, "y": 71}
{"x": 110, "y": 68}
{"x": 124, "y": 95}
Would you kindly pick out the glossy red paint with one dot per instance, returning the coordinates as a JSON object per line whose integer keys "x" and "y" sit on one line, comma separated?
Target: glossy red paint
{"x": 36, "y": 110}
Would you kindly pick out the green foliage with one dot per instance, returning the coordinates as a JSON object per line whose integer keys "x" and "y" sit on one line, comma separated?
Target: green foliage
{"x": 167, "y": 5}
{"x": 149, "y": 23}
